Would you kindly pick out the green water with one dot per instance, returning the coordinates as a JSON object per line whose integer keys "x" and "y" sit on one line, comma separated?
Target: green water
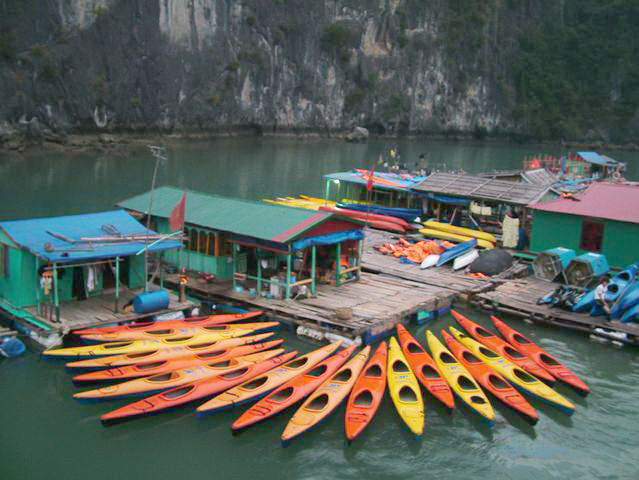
{"x": 45, "y": 434}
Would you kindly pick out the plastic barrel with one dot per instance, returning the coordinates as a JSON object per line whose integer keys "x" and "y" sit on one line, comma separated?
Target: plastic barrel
{"x": 151, "y": 301}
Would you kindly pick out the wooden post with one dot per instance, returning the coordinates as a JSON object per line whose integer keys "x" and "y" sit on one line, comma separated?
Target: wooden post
{"x": 38, "y": 307}
{"x": 313, "y": 269}
{"x": 358, "y": 260}
{"x": 338, "y": 264}
{"x": 161, "y": 269}
{"x": 56, "y": 298}
{"x": 288, "y": 276}
{"x": 259, "y": 274}
{"x": 327, "y": 190}
{"x": 117, "y": 284}
{"x": 235, "y": 247}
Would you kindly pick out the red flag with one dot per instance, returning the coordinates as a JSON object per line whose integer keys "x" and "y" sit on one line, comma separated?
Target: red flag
{"x": 371, "y": 174}
{"x": 176, "y": 219}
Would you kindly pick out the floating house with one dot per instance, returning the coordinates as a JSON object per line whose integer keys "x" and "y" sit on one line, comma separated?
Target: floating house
{"x": 602, "y": 219}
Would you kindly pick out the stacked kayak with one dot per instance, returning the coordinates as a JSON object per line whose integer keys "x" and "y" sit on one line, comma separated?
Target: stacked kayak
{"x": 445, "y": 231}
{"x": 375, "y": 220}
{"x": 409, "y": 214}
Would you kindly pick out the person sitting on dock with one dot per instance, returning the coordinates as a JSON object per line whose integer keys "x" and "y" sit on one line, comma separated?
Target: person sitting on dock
{"x": 600, "y": 295}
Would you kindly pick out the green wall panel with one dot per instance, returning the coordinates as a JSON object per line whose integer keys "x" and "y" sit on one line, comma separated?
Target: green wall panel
{"x": 621, "y": 243}
{"x": 550, "y": 230}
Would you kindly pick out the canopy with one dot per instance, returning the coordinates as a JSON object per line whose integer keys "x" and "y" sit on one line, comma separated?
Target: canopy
{"x": 328, "y": 239}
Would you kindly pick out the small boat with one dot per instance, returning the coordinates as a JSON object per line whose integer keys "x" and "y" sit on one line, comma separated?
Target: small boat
{"x": 193, "y": 391}
{"x": 176, "y": 378}
{"x": 630, "y": 315}
{"x": 160, "y": 355}
{"x": 628, "y": 299}
{"x": 147, "y": 369}
{"x": 456, "y": 251}
{"x": 404, "y": 389}
{"x": 262, "y": 384}
{"x": 424, "y": 368}
{"x": 541, "y": 356}
{"x": 203, "y": 321}
{"x": 460, "y": 380}
{"x": 292, "y": 391}
{"x": 467, "y": 232}
{"x": 616, "y": 288}
{"x": 328, "y": 396}
{"x": 515, "y": 375}
{"x": 161, "y": 332}
{"x": 366, "y": 217}
{"x": 408, "y": 214}
{"x": 506, "y": 350}
{"x": 491, "y": 380}
{"x": 430, "y": 261}
{"x": 367, "y": 394}
{"x": 453, "y": 237}
{"x": 465, "y": 259}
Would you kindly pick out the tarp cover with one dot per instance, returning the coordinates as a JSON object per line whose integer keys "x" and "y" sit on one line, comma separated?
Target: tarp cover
{"x": 328, "y": 239}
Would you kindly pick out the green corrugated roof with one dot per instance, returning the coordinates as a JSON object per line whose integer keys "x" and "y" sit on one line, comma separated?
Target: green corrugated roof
{"x": 243, "y": 217}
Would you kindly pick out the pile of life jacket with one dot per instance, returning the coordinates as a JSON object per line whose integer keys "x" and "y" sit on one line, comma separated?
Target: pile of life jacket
{"x": 415, "y": 252}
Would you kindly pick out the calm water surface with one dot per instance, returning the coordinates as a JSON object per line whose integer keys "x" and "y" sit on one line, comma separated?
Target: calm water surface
{"x": 45, "y": 434}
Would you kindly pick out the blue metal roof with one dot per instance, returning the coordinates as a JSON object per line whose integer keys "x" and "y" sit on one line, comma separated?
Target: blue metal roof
{"x": 34, "y": 234}
{"x": 596, "y": 159}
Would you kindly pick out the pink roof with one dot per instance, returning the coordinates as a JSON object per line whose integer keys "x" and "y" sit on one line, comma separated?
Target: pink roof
{"x": 609, "y": 201}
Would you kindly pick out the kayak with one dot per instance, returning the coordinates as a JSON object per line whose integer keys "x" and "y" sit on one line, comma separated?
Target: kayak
{"x": 459, "y": 379}
{"x": 465, "y": 259}
{"x": 262, "y": 384}
{"x": 631, "y": 314}
{"x": 146, "y": 369}
{"x": 453, "y": 237}
{"x": 456, "y": 251}
{"x": 328, "y": 396}
{"x": 193, "y": 391}
{"x": 139, "y": 346}
{"x": 424, "y": 368}
{"x": 160, "y": 355}
{"x": 404, "y": 389}
{"x": 541, "y": 356}
{"x": 203, "y": 321}
{"x": 292, "y": 391}
{"x": 515, "y": 375}
{"x": 616, "y": 286}
{"x": 367, "y": 394}
{"x": 430, "y": 261}
{"x": 628, "y": 299}
{"x": 365, "y": 216}
{"x": 408, "y": 214}
{"x": 503, "y": 348}
{"x": 491, "y": 380}
{"x": 467, "y": 232}
{"x": 175, "y": 378}
{"x": 161, "y": 332}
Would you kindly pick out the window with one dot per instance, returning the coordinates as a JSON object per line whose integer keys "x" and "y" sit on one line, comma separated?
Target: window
{"x": 591, "y": 235}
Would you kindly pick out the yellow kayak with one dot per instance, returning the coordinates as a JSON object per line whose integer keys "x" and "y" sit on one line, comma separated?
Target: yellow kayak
{"x": 515, "y": 375}
{"x": 288, "y": 203}
{"x": 467, "y": 232}
{"x": 404, "y": 389}
{"x": 459, "y": 379}
{"x": 454, "y": 237}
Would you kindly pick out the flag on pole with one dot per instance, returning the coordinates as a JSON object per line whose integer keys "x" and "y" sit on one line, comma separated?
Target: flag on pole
{"x": 176, "y": 219}
{"x": 369, "y": 184}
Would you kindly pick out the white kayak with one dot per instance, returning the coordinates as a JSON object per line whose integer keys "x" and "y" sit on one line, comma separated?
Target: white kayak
{"x": 465, "y": 259}
{"x": 430, "y": 261}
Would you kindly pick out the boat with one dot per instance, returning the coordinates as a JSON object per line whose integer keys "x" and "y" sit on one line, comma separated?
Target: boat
{"x": 193, "y": 391}
{"x": 456, "y": 251}
{"x": 616, "y": 288}
{"x": 328, "y": 396}
{"x": 460, "y": 380}
{"x": 628, "y": 299}
{"x": 424, "y": 368}
{"x": 160, "y": 355}
{"x": 292, "y": 391}
{"x": 490, "y": 380}
{"x": 147, "y": 369}
{"x": 262, "y": 384}
{"x": 176, "y": 378}
{"x": 453, "y": 237}
{"x": 467, "y": 232}
{"x": 541, "y": 356}
{"x": 630, "y": 315}
{"x": 203, "y": 321}
{"x": 514, "y": 374}
{"x": 404, "y": 389}
{"x": 465, "y": 259}
{"x": 408, "y": 214}
{"x": 506, "y": 350}
{"x": 367, "y": 394}
{"x": 365, "y": 216}
{"x": 430, "y": 261}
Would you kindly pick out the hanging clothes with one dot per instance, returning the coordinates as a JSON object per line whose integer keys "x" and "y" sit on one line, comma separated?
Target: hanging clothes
{"x": 91, "y": 276}
{"x": 510, "y": 232}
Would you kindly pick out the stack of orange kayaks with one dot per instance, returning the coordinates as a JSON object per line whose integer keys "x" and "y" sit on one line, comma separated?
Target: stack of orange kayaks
{"x": 539, "y": 355}
{"x": 503, "y": 348}
{"x": 375, "y": 220}
{"x": 292, "y": 391}
{"x": 491, "y": 380}
{"x": 424, "y": 368}
{"x": 367, "y": 394}
{"x": 193, "y": 391}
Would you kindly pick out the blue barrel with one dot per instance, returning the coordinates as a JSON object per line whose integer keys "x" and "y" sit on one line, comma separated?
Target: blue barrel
{"x": 151, "y": 301}
{"x": 11, "y": 347}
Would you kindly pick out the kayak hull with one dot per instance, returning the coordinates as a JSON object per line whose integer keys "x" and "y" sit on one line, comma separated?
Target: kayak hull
{"x": 404, "y": 389}
{"x": 468, "y": 232}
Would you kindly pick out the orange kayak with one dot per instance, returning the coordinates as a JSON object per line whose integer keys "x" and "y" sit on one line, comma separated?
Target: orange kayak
{"x": 164, "y": 332}
{"x": 163, "y": 381}
{"x": 491, "y": 380}
{"x": 263, "y": 384}
{"x": 147, "y": 369}
{"x": 328, "y": 396}
{"x": 292, "y": 391}
{"x": 424, "y": 367}
{"x": 202, "y": 321}
{"x": 193, "y": 391}
{"x": 160, "y": 355}
{"x": 540, "y": 356}
{"x": 503, "y": 348}
{"x": 367, "y": 394}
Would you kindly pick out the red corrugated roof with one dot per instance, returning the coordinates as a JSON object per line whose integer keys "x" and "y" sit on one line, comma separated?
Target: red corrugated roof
{"x": 609, "y": 201}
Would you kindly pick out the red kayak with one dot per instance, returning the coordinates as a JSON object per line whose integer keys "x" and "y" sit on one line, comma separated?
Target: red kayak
{"x": 366, "y": 216}
{"x": 424, "y": 367}
{"x": 540, "y": 356}
{"x": 204, "y": 321}
{"x": 193, "y": 391}
{"x": 292, "y": 391}
{"x": 379, "y": 224}
{"x": 491, "y": 380}
{"x": 503, "y": 348}
{"x": 367, "y": 394}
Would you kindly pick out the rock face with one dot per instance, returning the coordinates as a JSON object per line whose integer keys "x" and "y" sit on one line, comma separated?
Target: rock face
{"x": 391, "y": 66}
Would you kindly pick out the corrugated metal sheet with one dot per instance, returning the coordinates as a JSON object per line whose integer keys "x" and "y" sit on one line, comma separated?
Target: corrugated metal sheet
{"x": 33, "y": 234}
{"x": 596, "y": 159}
{"x": 539, "y": 176}
{"x": 403, "y": 182}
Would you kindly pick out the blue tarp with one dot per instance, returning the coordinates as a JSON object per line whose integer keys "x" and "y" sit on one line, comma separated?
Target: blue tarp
{"x": 596, "y": 159}
{"x": 328, "y": 239}
{"x": 34, "y": 234}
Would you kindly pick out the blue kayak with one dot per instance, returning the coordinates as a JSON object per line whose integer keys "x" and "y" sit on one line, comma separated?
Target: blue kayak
{"x": 629, "y": 299}
{"x": 631, "y": 315}
{"x": 456, "y": 251}
{"x": 408, "y": 214}
{"x": 616, "y": 288}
